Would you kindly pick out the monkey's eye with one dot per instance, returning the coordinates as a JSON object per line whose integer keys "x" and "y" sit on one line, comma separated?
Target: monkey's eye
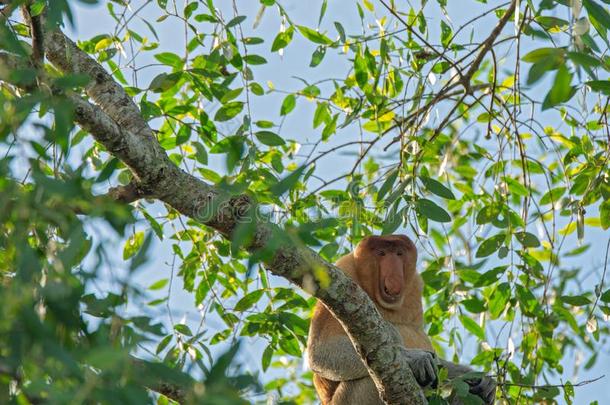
{"x": 380, "y": 253}
{"x": 399, "y": 253}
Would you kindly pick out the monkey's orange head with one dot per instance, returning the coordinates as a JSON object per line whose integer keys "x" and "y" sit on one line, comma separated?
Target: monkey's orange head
{"x": 384, "y": 265}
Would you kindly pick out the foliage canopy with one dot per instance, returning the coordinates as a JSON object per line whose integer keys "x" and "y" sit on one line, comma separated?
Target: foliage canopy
{"x": 484, "y": 136}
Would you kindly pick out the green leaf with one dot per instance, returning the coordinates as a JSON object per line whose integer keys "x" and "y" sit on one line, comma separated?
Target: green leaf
{"x": 282, "y": 40}
{"x": 107, "y": 171}
{"x": 158, "y": 284}
{"x": 183, "y": 329}
{"x": 37, "y": 8}
{"x": 235, "y": 21}
{"x": 553, "y": 195}
{"x": 201, "y": 153}
{"x": 340, "y": 31}
{"x": 288, "y": 104}
{"x": 264, "y": 124}
{"x": 551, "y": 23}
{"x": 321, "y": 115}
{"x": 430, "y": 210}
{"x": 317, "y": 56}
{"x": 474, "y": 305}
{"x": 255, "y": 60}
{"x": 561, "y": 90}
{"x": 438, "y": 188}
{"x": 602, "y": 86}
{"x": 599, "y": 14}
{"x": 154, "y": 224}
{"x": 164, "y": 82}
{"x": 527, "y": 239}
{"x": 243, "y": 233}
{"x": 544, "y": 60}
{"x": 314, "y": 36}
{"x": 183, "y": 135}
{"x": 605, "y": 297}
{"x": 228, "y": 111}
{"x": 132, "y": 245}
{"x": 72, "y": 80}
{"x": 446, "y": 33}
{"x": 491, "y": 245}
{"x": 206, "y": 18}
{"x": 392, "y": 221}
{"x": 163, "y": 343}
{"x": 287, "y": 183}
{"x": 387, "y": 185}
{"x": 472, "y": 327}
{"x": 248, "y": 300}
{"x": 604, "y": 214}
{"x": 257, "y": 89}
{"x": 361, "y": 70}
{"x": 189, "y": 9}
{"x": 290, "y": 345}
{"x": 329, "y": 251}
{"x": 269, "y": 138}
{"x": 541, "y": 54}
{"x": 575, "y": 300}
{"x": 538, "y": 70}
{"x": 527, "y": 301}
{"x": 583, "y": 59}
{"x": 488, "y": 214}
{"x": 267, "y": 356}
{"x": 170, "y": 59}
{"x": 498, "y": 300}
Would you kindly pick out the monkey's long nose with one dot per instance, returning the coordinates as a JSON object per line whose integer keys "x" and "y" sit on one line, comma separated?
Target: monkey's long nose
{"x": 393, "y": 284}
{"x": 393, "y": 276}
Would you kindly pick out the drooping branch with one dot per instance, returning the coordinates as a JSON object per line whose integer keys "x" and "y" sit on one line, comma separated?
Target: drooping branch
{"x": 462, "y": 78}
{"x": 487, "y": 45}
{"x": 115, "y": 122}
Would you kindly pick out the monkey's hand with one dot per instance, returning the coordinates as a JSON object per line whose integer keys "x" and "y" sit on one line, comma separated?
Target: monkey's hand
{"x": 423, "y": 365}
{"x": 484, "y": 388}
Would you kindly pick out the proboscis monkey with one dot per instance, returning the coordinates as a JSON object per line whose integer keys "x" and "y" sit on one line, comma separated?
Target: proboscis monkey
{"x": 384, "y": 266}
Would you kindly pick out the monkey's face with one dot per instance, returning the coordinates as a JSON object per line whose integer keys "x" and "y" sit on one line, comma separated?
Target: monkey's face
{"x": 384, "y": 264}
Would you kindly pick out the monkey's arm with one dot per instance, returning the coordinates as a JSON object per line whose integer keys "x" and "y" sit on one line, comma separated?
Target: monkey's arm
{"x": 330, "y": 353}
{"x": 484, "y": 387}
{"x": 336, "y": 359}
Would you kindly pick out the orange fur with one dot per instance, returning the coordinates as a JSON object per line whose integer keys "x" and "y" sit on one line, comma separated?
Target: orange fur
{"x": 363, "y": 266}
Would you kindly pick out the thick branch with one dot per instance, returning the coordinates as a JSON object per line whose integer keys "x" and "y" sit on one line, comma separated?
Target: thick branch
{"x": 108, "y": 94}
{"x": 371, "y": 336}
{"x": 117, "y": 124}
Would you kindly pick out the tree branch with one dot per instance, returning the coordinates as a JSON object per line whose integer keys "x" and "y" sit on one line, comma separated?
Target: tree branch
{"x": 116, "y": 123}
{"x": 487, "y": 45}
{"x": 103, "y": 90}
{"x": 127, "y": 194}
